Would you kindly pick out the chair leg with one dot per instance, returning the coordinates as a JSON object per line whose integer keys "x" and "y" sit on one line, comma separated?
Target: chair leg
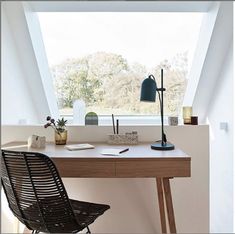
{"x": 35, "y": 232}
{"x": 88, "y": 230}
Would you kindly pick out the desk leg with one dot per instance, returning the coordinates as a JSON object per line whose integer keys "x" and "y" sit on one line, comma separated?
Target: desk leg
{"x": 169, "y": 205}
{"x": 161, "y": 204}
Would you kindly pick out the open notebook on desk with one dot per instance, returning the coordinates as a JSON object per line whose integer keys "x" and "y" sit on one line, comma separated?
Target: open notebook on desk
{"x": 114, "y": 151}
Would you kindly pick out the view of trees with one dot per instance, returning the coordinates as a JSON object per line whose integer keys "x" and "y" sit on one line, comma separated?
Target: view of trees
{"x": 109, "y": 84}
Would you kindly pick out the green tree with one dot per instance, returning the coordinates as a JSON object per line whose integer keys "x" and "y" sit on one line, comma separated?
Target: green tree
{"x": 72, "y": 82}
{"x": 105, "y": 81}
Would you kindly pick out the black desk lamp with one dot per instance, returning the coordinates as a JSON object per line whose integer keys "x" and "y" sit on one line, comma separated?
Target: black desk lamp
{"x": 148, "y": 94}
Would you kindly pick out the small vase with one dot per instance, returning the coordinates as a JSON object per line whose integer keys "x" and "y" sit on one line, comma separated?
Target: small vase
{"x": 61, "y": 137}
{"x": 187, "y": 113}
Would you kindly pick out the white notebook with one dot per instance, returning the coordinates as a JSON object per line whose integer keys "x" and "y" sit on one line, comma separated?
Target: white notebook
{"x": 114, "y": 152}
{"x": 79, "y": 147}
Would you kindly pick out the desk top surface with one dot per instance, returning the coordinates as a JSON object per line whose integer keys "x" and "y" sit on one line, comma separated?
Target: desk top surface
{"x": 142, "y": 150}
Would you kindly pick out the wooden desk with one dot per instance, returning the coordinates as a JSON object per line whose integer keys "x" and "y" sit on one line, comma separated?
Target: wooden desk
{"x": 140, "y": 161}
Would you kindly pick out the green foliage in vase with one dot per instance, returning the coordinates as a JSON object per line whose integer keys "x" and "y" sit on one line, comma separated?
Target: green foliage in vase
{"x": 59, "y": 126}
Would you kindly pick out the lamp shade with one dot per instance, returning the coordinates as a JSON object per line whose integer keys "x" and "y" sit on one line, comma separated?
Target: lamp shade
{"x": 148, "y": 90}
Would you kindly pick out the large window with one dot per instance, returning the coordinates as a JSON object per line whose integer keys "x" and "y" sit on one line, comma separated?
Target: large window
{"x": 103, "y": 57}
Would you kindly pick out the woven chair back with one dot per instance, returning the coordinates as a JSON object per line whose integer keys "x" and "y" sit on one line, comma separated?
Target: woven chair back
{"x": 35, "y": 192}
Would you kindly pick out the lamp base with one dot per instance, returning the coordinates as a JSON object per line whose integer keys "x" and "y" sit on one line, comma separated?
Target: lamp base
{"x": 158, "y": 146}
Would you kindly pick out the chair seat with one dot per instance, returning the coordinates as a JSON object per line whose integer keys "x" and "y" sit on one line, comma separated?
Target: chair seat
{"x": 86, "y": 212}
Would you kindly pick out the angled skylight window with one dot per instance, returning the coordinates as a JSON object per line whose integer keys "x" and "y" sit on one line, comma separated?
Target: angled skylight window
{"x": 102, "y": 58}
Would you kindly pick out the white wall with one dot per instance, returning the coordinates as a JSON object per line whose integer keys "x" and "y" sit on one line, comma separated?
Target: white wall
{"x": 134, "y": 205}
{"x": 214, "y": 103}
{"x": 24, "y": 93}
{"x": 221, "y": 149}
{"x": 219, "y": 44}
{"x": 16, "y": 100}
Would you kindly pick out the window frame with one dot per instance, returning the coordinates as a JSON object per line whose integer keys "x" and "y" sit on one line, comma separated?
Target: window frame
{"x": 31, "y": 8}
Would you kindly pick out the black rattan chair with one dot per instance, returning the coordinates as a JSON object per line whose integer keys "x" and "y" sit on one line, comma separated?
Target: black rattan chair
{"x": 37, "y": 196}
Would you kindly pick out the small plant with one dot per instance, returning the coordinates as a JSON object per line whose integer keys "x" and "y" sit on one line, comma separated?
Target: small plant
{"x": 59, "y": 125}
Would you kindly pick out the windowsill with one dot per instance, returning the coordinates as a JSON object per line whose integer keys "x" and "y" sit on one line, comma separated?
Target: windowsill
{"x": 100, "y": 126}
{"x": 125, "y": 120}
{"x": 106, "y": 120}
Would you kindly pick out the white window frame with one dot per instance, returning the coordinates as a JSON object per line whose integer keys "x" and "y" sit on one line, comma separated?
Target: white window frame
{"x": 211, "y": 8}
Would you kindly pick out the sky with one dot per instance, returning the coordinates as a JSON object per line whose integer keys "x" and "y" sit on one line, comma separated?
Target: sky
{"x": 143, "y": 37}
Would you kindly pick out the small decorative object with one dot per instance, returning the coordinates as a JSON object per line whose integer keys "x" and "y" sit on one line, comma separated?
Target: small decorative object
{"x": 130, "y": 138}
{"x": 79, "y": 111}
{"x": 60, "y": 129}
{"x": 187, "y": 113}
{"x": 173, "y": 120}
{"x": 194, "y": 120}
{"x": 148, "y": 94}
{"x": 91, "y": 118}
{"x": 35, "y": 141}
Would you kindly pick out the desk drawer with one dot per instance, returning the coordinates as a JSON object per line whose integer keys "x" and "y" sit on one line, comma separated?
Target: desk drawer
{"x": 84, "y": 168}
{"x": 153, "y": 168}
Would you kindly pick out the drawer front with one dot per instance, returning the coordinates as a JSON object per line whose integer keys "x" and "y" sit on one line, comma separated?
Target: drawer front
{"x": 85, "y": 169}
{"x": 154, "y": 168}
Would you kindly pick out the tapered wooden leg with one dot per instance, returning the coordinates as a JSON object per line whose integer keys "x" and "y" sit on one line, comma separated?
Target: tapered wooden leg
{"x": 169, "y": 205}
{"x": 161, "y": 204}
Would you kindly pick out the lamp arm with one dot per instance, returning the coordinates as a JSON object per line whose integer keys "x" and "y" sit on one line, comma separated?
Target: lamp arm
{"x": 164, "y": 140}
{"x": 160, "y": 100}
{"x": 161, "y": 110}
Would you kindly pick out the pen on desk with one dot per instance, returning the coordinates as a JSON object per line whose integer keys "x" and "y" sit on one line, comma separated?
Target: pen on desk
{"x": 117, "y": 126}
{"x": 123, "y": 150}
{"x": 113, "y": 124}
